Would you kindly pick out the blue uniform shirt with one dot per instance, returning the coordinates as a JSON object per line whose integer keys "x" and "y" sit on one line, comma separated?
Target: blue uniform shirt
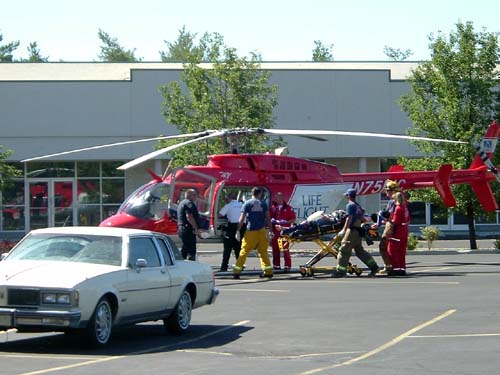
{"x": 356, "y": 211}
{"x": 255, "y": 210}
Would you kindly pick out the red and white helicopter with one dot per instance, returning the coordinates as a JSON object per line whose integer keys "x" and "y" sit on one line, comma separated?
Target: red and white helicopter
{"x": 309, "y": 186}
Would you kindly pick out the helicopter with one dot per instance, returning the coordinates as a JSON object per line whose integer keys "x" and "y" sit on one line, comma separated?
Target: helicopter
{"x": 308, "y": 186}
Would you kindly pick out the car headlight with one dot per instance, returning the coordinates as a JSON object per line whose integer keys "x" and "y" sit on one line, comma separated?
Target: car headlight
{"x": 53, "y": 298}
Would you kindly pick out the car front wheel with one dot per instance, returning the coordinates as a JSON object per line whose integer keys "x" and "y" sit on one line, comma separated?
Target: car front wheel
{"x": 101, "y": 324}
{"x": 178, "y": 322}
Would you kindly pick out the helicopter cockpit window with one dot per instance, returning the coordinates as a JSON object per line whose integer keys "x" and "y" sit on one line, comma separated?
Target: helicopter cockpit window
{"x": 148, "y": 203}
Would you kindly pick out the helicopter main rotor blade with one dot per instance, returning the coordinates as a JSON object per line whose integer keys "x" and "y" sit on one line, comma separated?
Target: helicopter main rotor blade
{"x": 311, "y": 133}
{"x": 115, "y": 144}
{"x": 133, "y": 163}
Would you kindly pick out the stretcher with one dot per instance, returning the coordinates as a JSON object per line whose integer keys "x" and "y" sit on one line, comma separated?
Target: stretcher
{"x": 314, "y": 232}
{"x": 326, "y": 249}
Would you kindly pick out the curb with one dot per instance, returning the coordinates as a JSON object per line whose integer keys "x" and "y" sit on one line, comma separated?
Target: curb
{"x": 410, "y": 252}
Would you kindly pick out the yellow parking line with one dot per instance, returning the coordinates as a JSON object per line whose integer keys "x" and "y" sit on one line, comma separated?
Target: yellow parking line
{"x": 257, "y": 290}
{"x": 203, "y": 351}
{"x": 302, "y": 355}
{"x": 106, "y": 359}
{"x": 382, "y": 347}
{"x": 393, "y": 281}
{"x": 456, "y": 335}
{"x": 159, "y": 348}
{"x": 43, "y": 356}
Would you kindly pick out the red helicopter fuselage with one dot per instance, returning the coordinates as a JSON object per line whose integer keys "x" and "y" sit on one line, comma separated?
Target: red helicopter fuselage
{"x": 309, "y": 186}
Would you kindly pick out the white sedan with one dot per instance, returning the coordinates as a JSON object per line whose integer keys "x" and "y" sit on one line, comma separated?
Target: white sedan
{"x": 91, "y": 279}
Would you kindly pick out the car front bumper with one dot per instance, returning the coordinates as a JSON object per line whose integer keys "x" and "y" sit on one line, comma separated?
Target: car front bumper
{"x": 40, "y": 319}
{"x": 215, "y": 293}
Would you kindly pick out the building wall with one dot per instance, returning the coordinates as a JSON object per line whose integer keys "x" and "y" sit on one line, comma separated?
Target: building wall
{"x": 57, "y": 112}
{"x": 52, "y": 107}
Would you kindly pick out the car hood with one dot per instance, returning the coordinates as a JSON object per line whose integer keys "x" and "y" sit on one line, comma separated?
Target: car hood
{"x": 49, "y": 273}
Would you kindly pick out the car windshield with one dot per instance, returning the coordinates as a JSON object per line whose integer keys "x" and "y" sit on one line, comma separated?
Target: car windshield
{"x": 69, "y": 248}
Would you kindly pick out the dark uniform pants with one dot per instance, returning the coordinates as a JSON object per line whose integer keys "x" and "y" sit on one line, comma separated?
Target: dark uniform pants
{"x": 230, "y": 243}
{"x": 188, "y": 238}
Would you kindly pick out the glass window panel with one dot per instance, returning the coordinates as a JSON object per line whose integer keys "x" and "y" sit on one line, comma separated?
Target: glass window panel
{"x": 13, "y": 192}
{"x": 88, "y": 191}
{"x": 88, "y": 169}
{"x": 109, "y": 169}
{"x": 143, "y": 248}
{"x": 439, "y": 215}
{"x": 486, "y": 218}
{"x": 164, "y": 251}
{"x": 89, "y": 214}
{"x": 417, "y": 212}
{"x": 109, "y": 210}
{"x": 113, "y": 191}
{"x": 50, "y": 169}
{"x": 13, "y": 218}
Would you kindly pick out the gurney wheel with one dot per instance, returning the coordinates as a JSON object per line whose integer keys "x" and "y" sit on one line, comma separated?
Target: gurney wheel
{"x": 305, "y": 271}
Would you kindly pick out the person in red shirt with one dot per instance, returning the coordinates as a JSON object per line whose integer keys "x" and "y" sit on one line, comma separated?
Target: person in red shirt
{"x": 282, "y": 215}
{"x": 398, "y": 241}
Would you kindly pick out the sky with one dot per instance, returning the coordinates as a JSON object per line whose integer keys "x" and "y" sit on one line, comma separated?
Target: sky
{"x": 280, "y": 30}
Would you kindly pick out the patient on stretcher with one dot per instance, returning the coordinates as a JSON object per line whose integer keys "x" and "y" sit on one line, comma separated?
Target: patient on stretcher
{"x": 317, "y": 224}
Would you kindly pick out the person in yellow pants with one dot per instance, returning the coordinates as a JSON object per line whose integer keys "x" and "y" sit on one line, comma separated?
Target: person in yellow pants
{"x": 256, "y": 214}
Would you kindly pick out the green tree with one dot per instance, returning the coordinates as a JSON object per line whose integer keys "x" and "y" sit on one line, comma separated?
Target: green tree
{"x": 34, "y": 54}
{"x": 112, "y": 51}
{"x": 6, "y": 171}
{"x": 230, "y": 92}
{"x": 183, "y": 49}
{"x": 7, "y": 49}
{"x": 322, "y": 53}
{"x": 454, "y": 95}
{"x": 396, "y": 54}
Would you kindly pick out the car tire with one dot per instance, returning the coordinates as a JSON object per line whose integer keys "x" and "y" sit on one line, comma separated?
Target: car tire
{"x": 100, "y": 324}
{"x": 178, "y": 322}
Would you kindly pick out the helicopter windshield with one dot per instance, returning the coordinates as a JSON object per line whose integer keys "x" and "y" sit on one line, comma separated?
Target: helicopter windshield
{"x": 150, "y": 201}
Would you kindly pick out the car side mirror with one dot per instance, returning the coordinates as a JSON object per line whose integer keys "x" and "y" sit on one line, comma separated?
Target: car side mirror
{"x": 140, "y": 263}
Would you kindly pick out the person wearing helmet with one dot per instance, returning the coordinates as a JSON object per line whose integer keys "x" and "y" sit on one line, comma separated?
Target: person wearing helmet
{"x": 398, "y": 241}
{"x": 351, "y": 238}
{"x": 390, "y": 187}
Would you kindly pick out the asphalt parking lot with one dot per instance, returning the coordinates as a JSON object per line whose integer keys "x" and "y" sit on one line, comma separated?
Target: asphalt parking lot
{"x": 443, "y": 318}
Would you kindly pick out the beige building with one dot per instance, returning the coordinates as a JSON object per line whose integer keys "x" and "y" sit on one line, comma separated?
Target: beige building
{"x": 51, "y": 107}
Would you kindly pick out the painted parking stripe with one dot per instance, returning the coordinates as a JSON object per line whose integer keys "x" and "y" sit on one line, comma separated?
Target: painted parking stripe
{"x": 257, "y": 290}
{"x": 155, "y": 349}
{"x": 456, "y": 335}
{"x": 383, "y": 347}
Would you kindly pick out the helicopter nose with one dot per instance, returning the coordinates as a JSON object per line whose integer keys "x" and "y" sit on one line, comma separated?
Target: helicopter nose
{"x": 125, "y": 221}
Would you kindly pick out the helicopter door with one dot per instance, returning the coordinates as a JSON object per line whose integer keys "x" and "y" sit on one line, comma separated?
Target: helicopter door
{"x": 184, "y": 179}
{"x": 219, "y": 202}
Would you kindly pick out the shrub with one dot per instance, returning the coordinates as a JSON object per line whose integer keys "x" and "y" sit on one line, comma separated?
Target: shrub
{"x": 497, "y": 243}
{"x": 430, "y": 234}
{"x": 6, "y": 246}
{"x": 412, "y": 242}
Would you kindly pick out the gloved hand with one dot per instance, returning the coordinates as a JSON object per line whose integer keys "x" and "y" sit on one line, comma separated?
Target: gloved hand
{"x": 273, "y": 221}
{"x": 341, "y": 233}
{"x": 282, "y": 222}
{"x": 238, "y": 236}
